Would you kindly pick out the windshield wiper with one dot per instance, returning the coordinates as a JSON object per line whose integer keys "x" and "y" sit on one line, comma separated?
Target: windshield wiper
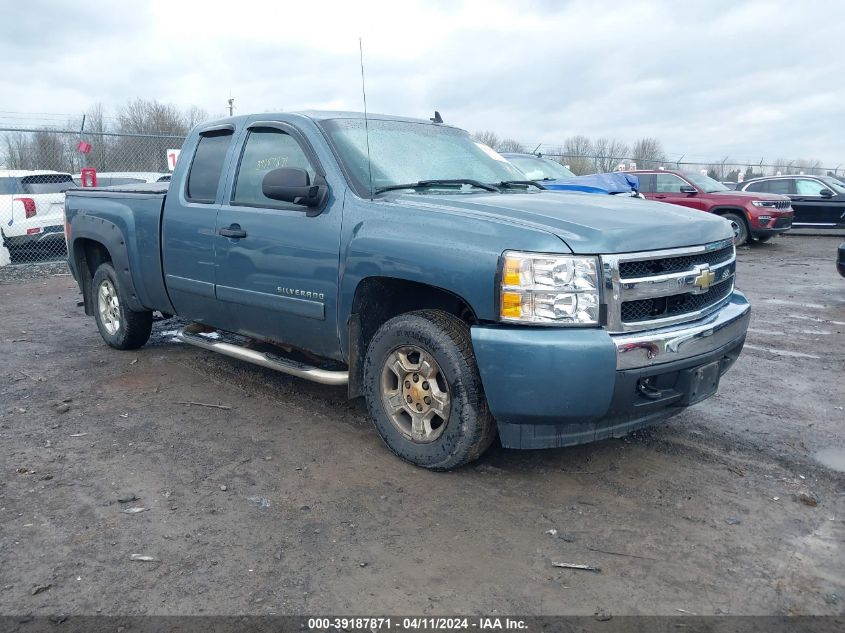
{"x": 520, "y": 184}
{"x": 439, "y": 183}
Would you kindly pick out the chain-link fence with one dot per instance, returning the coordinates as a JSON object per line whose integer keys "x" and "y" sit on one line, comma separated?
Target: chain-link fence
{"x": 730, "y": 171}
{"x": 37, "y": 166}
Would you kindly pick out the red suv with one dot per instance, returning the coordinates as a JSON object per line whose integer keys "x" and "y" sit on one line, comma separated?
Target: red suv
{"x": 756, "y": 216}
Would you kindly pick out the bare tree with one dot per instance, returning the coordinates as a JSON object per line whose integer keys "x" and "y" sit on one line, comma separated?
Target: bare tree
{"x": 648, "y": 153}
{"x": 608, "y": 153}
{"x": 578, "y": 152}
{"x": 486, "y": 137}
{"x": 809, "y": 166}
{"x": 158, "y": 120}
{"x": 195, "y": 115}
{"x": 95, "y": 128}
{"x": 510, "y": 145}
{"x": 781, "y": 166}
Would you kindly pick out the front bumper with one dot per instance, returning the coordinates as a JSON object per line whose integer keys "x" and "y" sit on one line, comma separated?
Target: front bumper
{"x": 558, "y": 387}
{"x": 778, "y": 222}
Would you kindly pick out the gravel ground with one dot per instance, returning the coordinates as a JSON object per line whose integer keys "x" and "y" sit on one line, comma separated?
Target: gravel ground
{"x": 285, "y": 501}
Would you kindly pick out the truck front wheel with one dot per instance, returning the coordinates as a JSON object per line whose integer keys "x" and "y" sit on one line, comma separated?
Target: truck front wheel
{"x": 119, "y": 326}
{"x": 424, "y": 393}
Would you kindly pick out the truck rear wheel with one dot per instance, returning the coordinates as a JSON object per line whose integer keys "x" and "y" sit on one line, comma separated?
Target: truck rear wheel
{"x": 424, "y": 393}
{"x": 119, "y": 326}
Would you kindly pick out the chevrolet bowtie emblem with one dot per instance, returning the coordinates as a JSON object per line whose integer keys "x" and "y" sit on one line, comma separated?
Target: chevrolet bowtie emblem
{"x": 704, "y": 279}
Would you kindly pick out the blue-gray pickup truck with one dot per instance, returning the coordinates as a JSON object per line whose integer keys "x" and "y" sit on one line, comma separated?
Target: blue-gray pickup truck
{"x": 397, "y": 257}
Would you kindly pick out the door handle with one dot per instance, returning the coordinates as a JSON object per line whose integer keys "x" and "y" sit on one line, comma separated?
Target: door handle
{"x": 234, "y": 231}
{"x": 660, "y": 195}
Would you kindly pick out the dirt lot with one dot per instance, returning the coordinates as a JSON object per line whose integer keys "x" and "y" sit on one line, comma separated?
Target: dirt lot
{"x": 288, "y": 502}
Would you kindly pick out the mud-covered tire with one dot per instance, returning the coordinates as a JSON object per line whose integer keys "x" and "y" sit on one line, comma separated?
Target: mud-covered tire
{"x": 740, "y": 226}
{"x": 469, "y": 428}
{"x": 119, "y": 326}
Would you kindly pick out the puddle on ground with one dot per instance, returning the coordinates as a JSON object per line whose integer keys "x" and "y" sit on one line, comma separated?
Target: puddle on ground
{"x": 832, "y": 458}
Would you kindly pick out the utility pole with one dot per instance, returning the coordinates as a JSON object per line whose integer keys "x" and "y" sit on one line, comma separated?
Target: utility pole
{"x": 231, "y": 105}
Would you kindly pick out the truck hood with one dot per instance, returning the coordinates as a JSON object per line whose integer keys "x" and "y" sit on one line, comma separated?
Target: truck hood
{"x": 587, "y": 223}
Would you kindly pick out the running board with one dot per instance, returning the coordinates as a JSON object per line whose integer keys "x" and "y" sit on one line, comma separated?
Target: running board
{"x": 193, "y": 335}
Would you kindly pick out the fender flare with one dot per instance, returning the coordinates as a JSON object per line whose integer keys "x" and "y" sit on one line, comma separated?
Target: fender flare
{"x": 111, "y": 237}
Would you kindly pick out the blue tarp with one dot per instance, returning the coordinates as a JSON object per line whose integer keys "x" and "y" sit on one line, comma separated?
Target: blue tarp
{"x": 615, "y": 182}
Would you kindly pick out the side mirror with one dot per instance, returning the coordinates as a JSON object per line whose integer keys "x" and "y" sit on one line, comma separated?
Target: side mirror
{"x": 826, "y": 193}
{"x": 688, "y": 189}
{"x": 292, "y": 184}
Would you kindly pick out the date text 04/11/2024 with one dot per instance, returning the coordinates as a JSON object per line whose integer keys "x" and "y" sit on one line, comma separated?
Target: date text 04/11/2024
{"x": 417, "y": 623}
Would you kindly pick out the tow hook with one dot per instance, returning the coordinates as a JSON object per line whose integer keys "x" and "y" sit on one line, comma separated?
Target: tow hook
{"x": 647, "y": 390}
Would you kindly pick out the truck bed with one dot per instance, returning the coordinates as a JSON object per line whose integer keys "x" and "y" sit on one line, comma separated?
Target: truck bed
{"x": 127, "y": 219}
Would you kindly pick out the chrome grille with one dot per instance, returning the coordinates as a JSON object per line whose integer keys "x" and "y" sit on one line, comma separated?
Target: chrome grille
{"x": 648, "y": 267}
{"x": 652, "y": 289}
{"x": 659, "y": 307}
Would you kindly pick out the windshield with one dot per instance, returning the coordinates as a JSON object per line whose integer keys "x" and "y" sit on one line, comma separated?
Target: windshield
{"x": 403, "y": 152}
{"x": 834, "y": 184}
{"x": 706, "y": 182}
{"x": 537, "y": 168}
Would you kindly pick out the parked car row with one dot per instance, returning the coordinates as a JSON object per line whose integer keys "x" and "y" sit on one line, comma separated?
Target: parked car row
{"x": 758, "y": 216}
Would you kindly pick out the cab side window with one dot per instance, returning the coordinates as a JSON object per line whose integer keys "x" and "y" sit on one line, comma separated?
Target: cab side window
{"x": 207, "y": 166}
{"x": 668, "y": 183}
{"x": 267, "y": 149}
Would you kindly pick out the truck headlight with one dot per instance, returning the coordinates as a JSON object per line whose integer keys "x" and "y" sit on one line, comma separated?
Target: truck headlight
{"x": 549, "y": 289}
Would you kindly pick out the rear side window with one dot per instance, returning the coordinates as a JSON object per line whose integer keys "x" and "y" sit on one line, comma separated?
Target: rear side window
{"x": 646, "y": 182}
{"x": 761, "y": 186}
{"x": 46, "y": 183}
{"x": 207, "y": 166}
{"x": 781, "y": 186}
{"x": 8, "y": 186}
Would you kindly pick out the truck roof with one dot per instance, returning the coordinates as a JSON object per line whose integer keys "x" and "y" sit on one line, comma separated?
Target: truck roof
{"x": 326, "y": 115}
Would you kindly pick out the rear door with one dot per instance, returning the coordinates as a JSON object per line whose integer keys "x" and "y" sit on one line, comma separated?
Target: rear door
{"x": 811, "y": 208}
{"x": 279, "y": 276}
{"x": 189, "y": 230}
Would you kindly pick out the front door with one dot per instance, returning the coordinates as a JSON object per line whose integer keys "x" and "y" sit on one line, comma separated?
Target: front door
{"x": 276, "y": 262}
{"x": 811, "y": 208}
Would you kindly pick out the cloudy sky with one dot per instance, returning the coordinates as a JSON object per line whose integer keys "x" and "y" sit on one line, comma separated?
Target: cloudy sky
{"x": 739, "y": 78}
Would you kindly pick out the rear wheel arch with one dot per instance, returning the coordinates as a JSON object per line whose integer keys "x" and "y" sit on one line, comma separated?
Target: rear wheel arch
{"x": 88, "y": 254}
{"x": 97, "y": 240}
